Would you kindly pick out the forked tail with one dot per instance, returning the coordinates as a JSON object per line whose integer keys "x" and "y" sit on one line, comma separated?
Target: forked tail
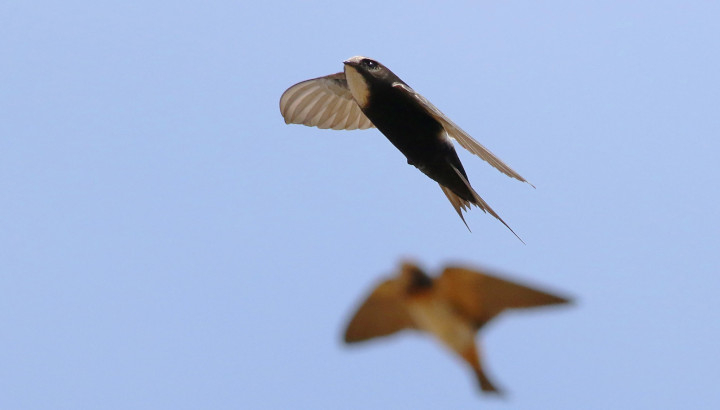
{"x": 463, "y": 205}
{"x": 470, "y": 354}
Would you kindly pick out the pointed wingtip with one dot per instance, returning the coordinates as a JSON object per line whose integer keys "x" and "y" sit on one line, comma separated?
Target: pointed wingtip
{"x": 521, "y": 179}
{"x": 485, "y": 207}
{"x": 460, "y": 204}
{"x": 561, "y": 300}
{"x": 507, "y": 226}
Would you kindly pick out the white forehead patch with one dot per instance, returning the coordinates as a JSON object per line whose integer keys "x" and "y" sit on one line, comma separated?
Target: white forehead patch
{"x": 356, "y": 59}
{"x": 358, "y": 85}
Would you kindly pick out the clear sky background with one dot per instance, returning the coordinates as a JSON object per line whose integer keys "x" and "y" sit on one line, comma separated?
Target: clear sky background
{"x": 166, "y": 241}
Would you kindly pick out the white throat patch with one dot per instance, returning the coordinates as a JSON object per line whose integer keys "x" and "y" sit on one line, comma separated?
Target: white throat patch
{"x": 357, "y": 85}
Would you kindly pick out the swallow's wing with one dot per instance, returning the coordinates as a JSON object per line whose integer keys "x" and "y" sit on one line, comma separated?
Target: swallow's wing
{"x": 482, "y": 297}
{"x": 324, "y": 102}
{"x": 462, "y": 137}
{"x": 382, "y": 314}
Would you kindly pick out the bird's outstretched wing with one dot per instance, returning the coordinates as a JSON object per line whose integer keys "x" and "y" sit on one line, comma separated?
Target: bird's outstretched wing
{"x": 462, "y": 137}
{"x": 324, "y": 102}
{"x": 382, "y": 314}
{"x": 482, "y": 296}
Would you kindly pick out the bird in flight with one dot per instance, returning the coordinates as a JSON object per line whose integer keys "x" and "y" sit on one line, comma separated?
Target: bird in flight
{"x": 451, "y": 307}
{"x": 367, "y": 94}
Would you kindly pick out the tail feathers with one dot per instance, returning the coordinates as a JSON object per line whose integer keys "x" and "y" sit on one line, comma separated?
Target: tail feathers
{"x": 462, "y": 205}
{"x": 458, "y": 203}
{"x": 470, "y": 355}
{"x": 485, "y": 383}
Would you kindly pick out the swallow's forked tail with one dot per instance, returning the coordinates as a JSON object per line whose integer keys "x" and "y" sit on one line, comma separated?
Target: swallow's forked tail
{"x": 485, "y": 383}
{"x": 471, "y": 356}
{"x": 462, "y": 205}
{"x": 458, "y": 203}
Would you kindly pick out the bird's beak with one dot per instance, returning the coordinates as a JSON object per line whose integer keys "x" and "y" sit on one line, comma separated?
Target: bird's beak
{"x": 353, "y": 61}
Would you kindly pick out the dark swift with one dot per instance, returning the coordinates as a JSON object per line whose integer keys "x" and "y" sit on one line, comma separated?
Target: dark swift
{"x": 367, "y": 94}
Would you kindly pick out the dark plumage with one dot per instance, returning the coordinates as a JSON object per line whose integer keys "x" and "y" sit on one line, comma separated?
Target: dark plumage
{"x": 368, "y": 94}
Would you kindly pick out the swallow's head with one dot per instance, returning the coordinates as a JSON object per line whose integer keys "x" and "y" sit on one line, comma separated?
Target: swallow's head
{"x": 364, "y": 64}
{"x": 365, "y": 74}
{"x": 414, "y": 278}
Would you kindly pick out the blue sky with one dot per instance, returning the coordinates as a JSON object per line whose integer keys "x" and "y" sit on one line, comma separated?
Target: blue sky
{"x": 166, "y": 241}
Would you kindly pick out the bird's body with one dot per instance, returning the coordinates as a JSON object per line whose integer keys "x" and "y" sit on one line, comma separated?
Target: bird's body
{"x": 451, "y": 308}
{"x": 413, "y": 125}
{"x": 419, "y": 136}
{"x": 438, "y": 318}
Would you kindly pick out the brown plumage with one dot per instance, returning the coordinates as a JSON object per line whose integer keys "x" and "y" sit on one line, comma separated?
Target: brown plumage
{"x": 453, "y": 307}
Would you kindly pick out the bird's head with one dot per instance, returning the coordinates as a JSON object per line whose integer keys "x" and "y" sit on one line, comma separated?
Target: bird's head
{"x": 413, "y": 278}
{"x": 363, "y": 74}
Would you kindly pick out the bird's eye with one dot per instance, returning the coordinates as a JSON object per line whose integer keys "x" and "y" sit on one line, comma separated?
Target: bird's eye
{"x": 370, "y": 64}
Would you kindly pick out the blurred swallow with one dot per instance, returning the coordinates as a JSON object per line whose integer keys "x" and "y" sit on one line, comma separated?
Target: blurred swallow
{"x": 367, "y": 94}
{"x": 452, "y": 307}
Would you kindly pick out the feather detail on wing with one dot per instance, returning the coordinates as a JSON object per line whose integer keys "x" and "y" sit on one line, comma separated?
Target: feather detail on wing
{"x": 462, "y": 137}
{"x": 324, "y": 102}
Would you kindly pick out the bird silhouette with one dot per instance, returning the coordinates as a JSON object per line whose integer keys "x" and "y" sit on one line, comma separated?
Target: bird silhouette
{"x": 367, "y": 94}
{"x": 451, "y": 307}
